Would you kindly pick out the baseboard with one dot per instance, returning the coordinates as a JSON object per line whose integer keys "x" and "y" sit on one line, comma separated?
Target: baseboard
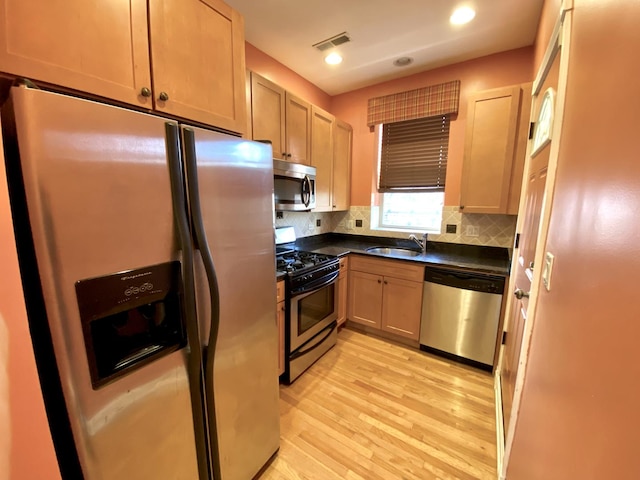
{"x": 397, "y": 339}
{"x": 497, "y": 386}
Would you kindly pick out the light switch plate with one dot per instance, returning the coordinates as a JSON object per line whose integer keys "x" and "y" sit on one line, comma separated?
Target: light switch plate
{"x": 473, "y": 231}
{"x": 349, "y": 224}
{"x": 546, "y": 270}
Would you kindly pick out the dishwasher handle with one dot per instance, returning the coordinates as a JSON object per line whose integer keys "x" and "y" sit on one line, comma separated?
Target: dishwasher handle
{"x": 467, "y": 281}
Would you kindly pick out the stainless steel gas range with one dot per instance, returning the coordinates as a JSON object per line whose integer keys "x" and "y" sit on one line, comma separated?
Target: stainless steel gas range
{"x": 312, "y": 308}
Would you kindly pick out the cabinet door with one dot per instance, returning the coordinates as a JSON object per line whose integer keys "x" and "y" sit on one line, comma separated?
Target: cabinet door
{"x": 343, "y": 281}
{"x": 490, "y": 142}
{"x": 298, "y": 129}
{"x": 96, "y": 47}
{"x": 268, "y": 113}
{"x": 342, "y": 166}
{"x": 280, "y": 322}
{"x": 401, "y": 307}
{"x": 365, "y": 298}
{"x": 322, "y": 156}
{"x": 197, "y": 52}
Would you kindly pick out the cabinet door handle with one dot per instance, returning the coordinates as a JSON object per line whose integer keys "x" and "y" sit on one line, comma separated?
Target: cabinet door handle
{"x": 288, "y": 155}
{"x": 379, "y": 281}
{"x": 385, "y": 282}
{"x": 163, "y": 97}
{"x": 461, "y": 207}
{"x": 145, "y": 92}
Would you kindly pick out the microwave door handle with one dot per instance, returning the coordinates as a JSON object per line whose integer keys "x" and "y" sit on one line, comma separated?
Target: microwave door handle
{"x": 306, "y": 191}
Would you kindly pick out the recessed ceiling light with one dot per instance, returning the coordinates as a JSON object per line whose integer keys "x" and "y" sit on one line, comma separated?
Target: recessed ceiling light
{"x": 403, "y": 61}
{"x": 333, "y": 58}
{"x": 462, "y": 15}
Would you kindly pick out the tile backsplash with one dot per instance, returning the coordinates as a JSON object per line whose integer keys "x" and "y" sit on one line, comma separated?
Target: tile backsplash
{"x": 491, "y": 230}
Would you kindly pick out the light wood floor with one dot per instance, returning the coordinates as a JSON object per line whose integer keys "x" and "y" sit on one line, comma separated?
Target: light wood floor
{"x": 374, "y": 410}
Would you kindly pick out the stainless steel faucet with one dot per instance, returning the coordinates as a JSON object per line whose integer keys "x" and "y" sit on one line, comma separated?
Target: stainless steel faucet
{"x": 422, "y": 243}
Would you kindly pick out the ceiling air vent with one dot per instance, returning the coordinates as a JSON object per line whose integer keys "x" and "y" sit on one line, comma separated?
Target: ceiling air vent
{"x": 332, "y": 42}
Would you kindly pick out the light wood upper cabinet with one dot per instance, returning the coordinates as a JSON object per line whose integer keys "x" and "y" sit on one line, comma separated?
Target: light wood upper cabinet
{"x": 268, "y": 113}
{"x": 341, "y": 187}
{"x": 304, "y": 133}
{"x": 298, "y": 129}
{"x": 197, "y": 51}
{"x": 322, "y": 156}
{"x": 331, "y": 155}
{"x": 96, "y": 47}
{"x": 102, "y": 48}
{"x": 495, "y": 141}
{"x": 386, "y": 295}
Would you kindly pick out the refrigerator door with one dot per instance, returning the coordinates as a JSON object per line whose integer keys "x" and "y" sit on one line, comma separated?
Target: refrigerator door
{"x": 99, "y": 202}
{"x": 234, "y": 182}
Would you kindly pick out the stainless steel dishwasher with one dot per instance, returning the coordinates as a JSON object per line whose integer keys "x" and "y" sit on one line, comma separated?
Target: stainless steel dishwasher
{"x": 460, "y": 315}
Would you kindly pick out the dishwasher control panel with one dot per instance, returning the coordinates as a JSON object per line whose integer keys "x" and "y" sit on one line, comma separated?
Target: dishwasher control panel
{"x": 467, "y": 281}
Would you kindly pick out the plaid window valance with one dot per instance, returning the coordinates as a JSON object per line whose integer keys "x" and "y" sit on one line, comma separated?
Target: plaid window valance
{"x": 423, "y": 102}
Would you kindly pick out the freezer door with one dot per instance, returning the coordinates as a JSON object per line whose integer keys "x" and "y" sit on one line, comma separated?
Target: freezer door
{"x": 234, "y": 179}
{"x": 99, "y": 202}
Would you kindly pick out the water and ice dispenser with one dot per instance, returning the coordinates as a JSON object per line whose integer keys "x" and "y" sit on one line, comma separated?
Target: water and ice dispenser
{"x": 130, "y": 319}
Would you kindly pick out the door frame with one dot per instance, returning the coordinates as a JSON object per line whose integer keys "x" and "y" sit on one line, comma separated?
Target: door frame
{"x": 559, "y": 44}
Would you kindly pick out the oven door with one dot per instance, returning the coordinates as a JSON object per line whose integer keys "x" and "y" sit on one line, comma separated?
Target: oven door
{"x": 313, "y": 309}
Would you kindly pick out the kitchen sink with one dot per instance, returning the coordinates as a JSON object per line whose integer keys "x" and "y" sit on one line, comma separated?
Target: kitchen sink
{"x": 397, "y": 251}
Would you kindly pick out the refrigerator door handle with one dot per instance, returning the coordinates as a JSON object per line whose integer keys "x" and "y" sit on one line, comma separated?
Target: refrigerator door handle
{"x": 202, "y": 245}
{"x": 198, "y": 405}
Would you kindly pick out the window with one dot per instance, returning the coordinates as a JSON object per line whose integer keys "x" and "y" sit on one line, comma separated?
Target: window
{"x": 412, "y": 170}
{"x": 411, "y": 211}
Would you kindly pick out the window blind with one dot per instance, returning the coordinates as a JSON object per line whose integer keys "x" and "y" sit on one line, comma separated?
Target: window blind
{"x": 413, "y": 155}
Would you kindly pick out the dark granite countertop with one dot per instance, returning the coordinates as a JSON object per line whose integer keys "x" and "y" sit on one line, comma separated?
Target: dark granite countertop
{"x": 490, "y": 260}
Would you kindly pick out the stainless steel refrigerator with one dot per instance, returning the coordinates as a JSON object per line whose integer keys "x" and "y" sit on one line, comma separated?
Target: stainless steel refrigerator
{"x": 147, "y": 256}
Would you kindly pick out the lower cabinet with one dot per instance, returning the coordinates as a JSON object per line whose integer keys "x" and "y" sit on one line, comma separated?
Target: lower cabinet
{"x": 280, "y": 310}
{"x": 343, "y": 280}
{"x": 386, "y": 295}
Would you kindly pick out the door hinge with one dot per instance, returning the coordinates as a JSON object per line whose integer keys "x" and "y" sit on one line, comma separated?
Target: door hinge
{"x": 504, "y": 338}
{"x": 532, "y": 126}
{"x": 516, "y": 242}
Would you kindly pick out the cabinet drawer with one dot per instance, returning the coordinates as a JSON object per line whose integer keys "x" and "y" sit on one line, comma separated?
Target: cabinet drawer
{"x": 387, "y": 268}
{"x": 280, "y": 291}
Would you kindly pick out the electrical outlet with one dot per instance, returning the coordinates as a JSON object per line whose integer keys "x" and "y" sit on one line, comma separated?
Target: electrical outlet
{"x": 310, "y": 227}
{"x": 473, "y": 231}
{"x": 349, "y": 224}
{"x": 451, "y": 228}
{"x": 318, "y": 222}
{"x": 279, "y": 215}
{"x": 359, "y": 223}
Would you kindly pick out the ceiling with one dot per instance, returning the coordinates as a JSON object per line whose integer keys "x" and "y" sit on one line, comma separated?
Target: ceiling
{"x": 382, "y": 31}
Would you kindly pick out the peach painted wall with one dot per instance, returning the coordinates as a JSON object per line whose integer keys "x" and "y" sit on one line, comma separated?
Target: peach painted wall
{"x": 579, "y": 416}
{"x": 25, "y": 435}
{"x": 502, "y": 69}
{"x": 268, "y": 67}
{"x": 548, "y": 17}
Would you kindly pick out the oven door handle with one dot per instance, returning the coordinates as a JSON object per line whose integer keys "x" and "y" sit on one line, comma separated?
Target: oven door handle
{"x": 300, "y": 353}
{"x": 310, "y": 287}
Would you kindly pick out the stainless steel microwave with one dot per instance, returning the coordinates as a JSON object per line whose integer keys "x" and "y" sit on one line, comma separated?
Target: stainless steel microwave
{"x": 294, "y": 186}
